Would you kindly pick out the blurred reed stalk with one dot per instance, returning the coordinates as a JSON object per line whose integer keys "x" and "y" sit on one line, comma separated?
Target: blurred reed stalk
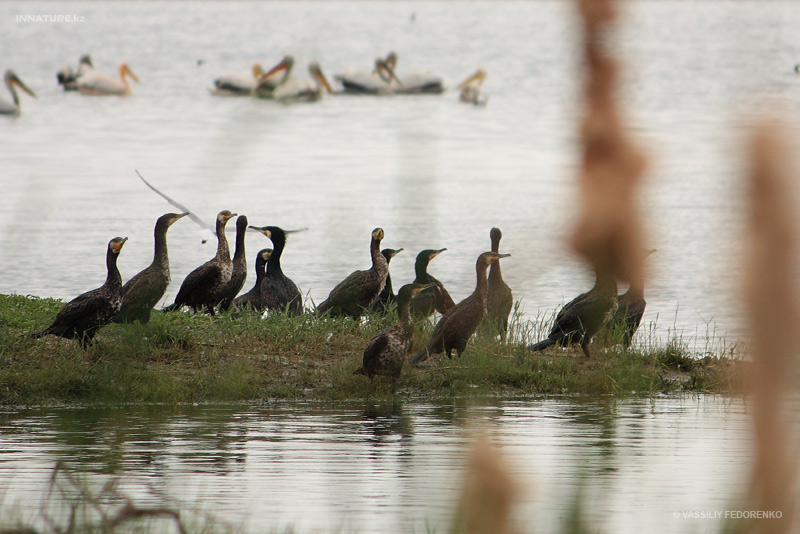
{"x": 773, "y": 313}
{"x": 609, "y": 231}
{"x": 488, "y": 494}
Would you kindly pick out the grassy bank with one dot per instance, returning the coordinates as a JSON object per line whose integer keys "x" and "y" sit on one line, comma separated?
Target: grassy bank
{"x": 181, "y": 357}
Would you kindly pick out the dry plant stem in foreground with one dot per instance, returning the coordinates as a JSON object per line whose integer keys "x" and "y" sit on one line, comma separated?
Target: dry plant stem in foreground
{"x": 608, "y": 232}
{"x": 773, "y": 312}
{"x": 488, "y": 494}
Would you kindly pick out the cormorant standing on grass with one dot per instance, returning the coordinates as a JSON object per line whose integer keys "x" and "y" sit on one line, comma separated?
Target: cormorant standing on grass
{"x": 253, "y": 297}
{"x": 432, "y": 298}
{"x": 387, "y": 298}
{"x": 386, "y": 352}
{"x": 628, "y": 317}
{"x": 278, "y": 291}
{"x": 202, "y": 288}
{"x": 239, "y": 269}
{"x": 145, "y": 289}
{"x": 500, "y": 300}
{"x": 83, "y": 316}
{"x": 582, "y": 317}
{"x": 358, "y": 291}
{"x": 459, "y": 323}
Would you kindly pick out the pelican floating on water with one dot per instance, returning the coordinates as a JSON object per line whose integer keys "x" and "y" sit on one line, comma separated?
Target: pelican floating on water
{"x": 421, "y": 82}
{"x": 471, "y": 89}
{"x": 377, "y": 82}
{"x": 278, "y": 75}
{"x": 13, "y": 108}
{"x": 296, "y": 90}
{"x": 97, "y": 83}
{"x": 238, "y": 83}
{"x": 68, "y": 78}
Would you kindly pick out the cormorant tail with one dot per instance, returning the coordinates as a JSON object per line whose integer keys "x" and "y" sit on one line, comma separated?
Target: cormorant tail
{"x": 421, "y": 356}
{"x": 40, "y": 333}
{"x": 549, "y": 342}
{"x": 172, "y": 307}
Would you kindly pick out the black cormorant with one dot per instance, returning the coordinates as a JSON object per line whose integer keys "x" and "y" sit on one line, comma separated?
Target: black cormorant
{"x": 434, "y": 297}
{"x": 253, "y": 297}
{"x": 500, "y": 300}
{"x": 83, "y": 316}
{"x": 386, "y": 352}
{"x": 628, "y": 317}
{"x": 145, "y": 289}
{"x": 278, "y": 291}
{"x": 582, "y": 317}
{"x": 387, "y": 298}
{"x": 458, "y": 324}
{"x": 202, "y": 288}
{"x": 358, "y": 291}
{"x": 239, "y": 270}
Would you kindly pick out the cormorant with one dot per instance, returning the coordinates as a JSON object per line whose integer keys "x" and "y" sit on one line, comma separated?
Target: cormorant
{"x": 386, "y": 352}
{"x": 387, "y": 298}
{"x": 239, "y": 270}
{"x": 458, "y": 324}
{"x": 628, "y": 317}
{"x": 145, "y": 289}
{"x": 83, "y": 316}
{"x": 358, "y": 291}
{"x": 433, "y": 298}
{"x": 202, "y": 288}
{"x": 278, "y": 292}
{"x": 253, "y": 297}
{"x": 582, "y": 317}
{"x": 500, "y": 300}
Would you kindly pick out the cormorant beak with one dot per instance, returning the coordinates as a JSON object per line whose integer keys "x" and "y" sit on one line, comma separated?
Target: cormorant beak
{"x": 398, "y": 251}
{"x": 266, "y": 255}
{"x": 16, "y": 81}
{"x": 437, "y": 252}
{"x": 179, "y": 216}
{"x": 231, "y": 216}
{"x": 118, "y": 244}
{"x": 263, "y": 230}
{"x": 497, "y": 257}
{"x": 378, "y": 234}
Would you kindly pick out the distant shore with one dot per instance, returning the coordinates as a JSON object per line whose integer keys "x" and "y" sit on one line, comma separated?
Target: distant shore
{"x": 239, "y": 356}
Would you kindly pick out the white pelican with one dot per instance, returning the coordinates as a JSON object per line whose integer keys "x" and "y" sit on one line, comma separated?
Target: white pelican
{"x": 471, "y": 89}
{"x": 278, "y": 75}
{"x": 377, "y": 82}
{"x": 296, "y": 90}
{"x": 68, "y": 78}
{"x": 9, "y": 108}
{"x": 97, "y": 83}
{"x": 422, "y": 82}
{"x": 238, "y": 83}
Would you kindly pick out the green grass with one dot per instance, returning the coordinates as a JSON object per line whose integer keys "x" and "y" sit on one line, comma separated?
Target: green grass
{"x": 182, "y": 357}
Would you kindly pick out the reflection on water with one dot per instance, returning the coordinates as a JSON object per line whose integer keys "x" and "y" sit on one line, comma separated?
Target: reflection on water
{"x": 391, "y": 466}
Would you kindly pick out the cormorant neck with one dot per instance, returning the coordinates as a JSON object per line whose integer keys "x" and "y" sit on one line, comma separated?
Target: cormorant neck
{"x": 160, "y": 256}
{"x": 222, "y": 242}
{"x": 278, "y": 243}
{"x": 421, "y": 270}
{"x": 636, "y": 289}
{"x": 605, "y": 281}
{"x": 239, "y": 254}
{"x": 113, "y": 278}
{"x": 482, "y": 287}
{"x": 375, "y": 251}
{"x": 495, "y": 274}
{"x": 404, "y": 311}
{"x": 495, "y": 245}
{"x": 260, "y": 269}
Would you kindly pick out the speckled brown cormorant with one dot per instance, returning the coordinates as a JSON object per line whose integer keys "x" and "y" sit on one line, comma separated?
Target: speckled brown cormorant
{"x": 432, "y": 298}
{"x": 358, "y": 291}
{"x": 628, "y": 317}
{"x": 278, "y": 292}
{"x": 459, "y": 323}
{"x": 582, "y": 317}
{"x": 500, "y": 300}
{"x": 386, "y": 352}
{"x": 239, "y": 270}
{"x": 145, "y": 289}
{"x": 202, "y": 288}
{"x": 253, "y": 297}
{"x": 387, "y": 298}
{"x": 83, "y": 316}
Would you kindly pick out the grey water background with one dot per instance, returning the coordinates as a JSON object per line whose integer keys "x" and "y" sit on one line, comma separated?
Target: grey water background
{"x": 641, "y": 465}
{"x": 431, "y": 171}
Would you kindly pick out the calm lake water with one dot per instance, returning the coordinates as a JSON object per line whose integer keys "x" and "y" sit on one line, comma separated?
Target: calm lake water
{"x": 392, "y": 466}
{"x": 431, "y": 171}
